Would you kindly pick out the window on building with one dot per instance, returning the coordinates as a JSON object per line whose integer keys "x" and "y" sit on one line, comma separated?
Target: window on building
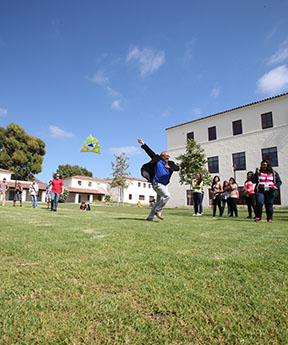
{"x": 144, "y": 185}
{"x": 237, "y": 127}
{"x": 267, "y": 120}
{"x": 79, "y": 183}
{"x": 213, "y": 164}
{"x": 189, "y": 197}
{"x": 89, "y": 184}
{"x": 151, "y": 198}
{"x": 239, "y": 161}
{"x": 141, "y": 197}
{"x": 149, "y": 185}
{"x": 190, "y": 135}
{"x": 270, "y": 154}
{"x": 139, "y": 184}
{"x": 130, "y": 196}
{"x": 212, "y": 133}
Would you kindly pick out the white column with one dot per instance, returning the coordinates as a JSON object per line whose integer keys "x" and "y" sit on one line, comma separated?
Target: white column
{"x": 43, "y": 196}
{"x": 91, "y": 198}
{"x": 24, "y": 195}
{"x": 76, "y": 200}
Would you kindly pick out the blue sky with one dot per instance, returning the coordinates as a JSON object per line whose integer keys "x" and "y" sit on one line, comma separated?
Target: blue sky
{"x": 126, "y": 69}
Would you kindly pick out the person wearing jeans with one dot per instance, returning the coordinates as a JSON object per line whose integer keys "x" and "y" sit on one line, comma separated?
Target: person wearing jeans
{"x": 268, "y": 181}
{"x": 33, "y": 192}
{"x": 56, "y": 188}
{"x": 158, "y": 171}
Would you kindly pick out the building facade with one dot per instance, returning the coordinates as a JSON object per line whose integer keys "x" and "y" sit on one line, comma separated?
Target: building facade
{"x": 235, "y": 141}
{"x": 84, "y": 188}
{"x": 138, "y": 190}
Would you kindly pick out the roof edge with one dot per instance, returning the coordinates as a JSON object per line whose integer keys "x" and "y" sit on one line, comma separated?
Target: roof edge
{"x": 227, "y": 111}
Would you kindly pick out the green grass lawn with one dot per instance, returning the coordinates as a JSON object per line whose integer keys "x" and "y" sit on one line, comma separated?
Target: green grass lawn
{"x": 110, "y": 277}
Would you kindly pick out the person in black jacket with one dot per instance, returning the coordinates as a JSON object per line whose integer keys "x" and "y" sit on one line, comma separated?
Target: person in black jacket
{"x": 158, "y": 171}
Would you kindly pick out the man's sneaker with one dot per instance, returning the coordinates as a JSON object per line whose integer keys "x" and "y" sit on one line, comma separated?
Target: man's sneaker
{"x": 257, "y": 220}
{"x": 149, "y": 220}
{"x": 194, "y": 215}
{"x": 269, "y": 221}
{"x": 159, "y": 216}
{"x": 199, "y": 214}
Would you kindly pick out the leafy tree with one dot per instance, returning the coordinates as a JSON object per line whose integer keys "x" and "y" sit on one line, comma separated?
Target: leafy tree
{"x": 64, "y": 196}
{"x": 120, "y": 174}
{"x": 193, "y": 161}
{"x": 72, "y": 170}
{"x": 20, "y": 152}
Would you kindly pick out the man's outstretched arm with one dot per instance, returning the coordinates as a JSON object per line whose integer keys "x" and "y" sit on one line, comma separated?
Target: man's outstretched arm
{"x": 147, "y": 149}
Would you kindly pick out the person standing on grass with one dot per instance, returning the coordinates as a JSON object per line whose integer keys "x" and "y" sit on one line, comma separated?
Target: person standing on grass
{"x": 48, "y": 194}
{"x": 56, "y": 188}
{"x": 224, "y": 197}
{"x": 267, "y": 181}
{"x": 216, "y": 192}
{"x": 18, "y": 194}
{"x": 3, "y": 189}
{"x": 197, "y": 186}
{"x": 33, "y": 192}
{"x": 249, "y": 190}
{"x": 233, "y": 197}
{"x": 158, "y": 171}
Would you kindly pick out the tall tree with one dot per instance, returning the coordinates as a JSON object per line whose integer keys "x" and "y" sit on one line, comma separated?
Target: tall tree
{"x": 120, "y": 173}
{"x": 68, "y": 170}
{"x": 193, "y": 161}
{"x": 21, "y": 153}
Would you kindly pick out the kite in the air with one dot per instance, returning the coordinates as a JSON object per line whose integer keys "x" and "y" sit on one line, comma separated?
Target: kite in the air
{"x": 90, "y": 145}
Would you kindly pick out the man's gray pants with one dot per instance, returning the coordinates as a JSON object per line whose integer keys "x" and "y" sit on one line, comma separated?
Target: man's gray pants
{"x": 162, "y": 198}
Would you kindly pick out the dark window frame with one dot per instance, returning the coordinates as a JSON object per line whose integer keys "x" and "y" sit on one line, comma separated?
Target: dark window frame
{"x": 267, "y": 155}
{"x": 237, "y": 127}
{"x": 190, "y": 135}
{"x": 212, "y": 134}
{"x": 267, "y": 120}
{"x": 239, "y": 161}
{"x": 213, "y": 164}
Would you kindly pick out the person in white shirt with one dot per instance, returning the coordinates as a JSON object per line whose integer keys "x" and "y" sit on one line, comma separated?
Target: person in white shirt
{"x": 33, "y": 192}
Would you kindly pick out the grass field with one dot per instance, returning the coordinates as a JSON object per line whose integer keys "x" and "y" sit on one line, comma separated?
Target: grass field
{"x": 110, "y": 277}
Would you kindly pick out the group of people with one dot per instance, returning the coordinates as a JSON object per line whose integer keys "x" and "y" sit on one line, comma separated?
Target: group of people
{"x": 259, "y": 190}
{"x": 54, "y": 189}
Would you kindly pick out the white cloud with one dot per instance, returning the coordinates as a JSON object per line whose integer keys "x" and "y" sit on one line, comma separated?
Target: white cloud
{"x": 57, "y": 132}
{"x": 99, "y": 78}
{"x": 111, "y": 92}
{"x": 3, "y": 112}
{"x": 129, "y": 150}
{"x": 148, "y": 60}
{"x": 274, "y": 82}
{"x": 215, "y": 92}
{"x": 281, "y": 54}
{"x": 197, "y": 111}
{"x": 116, "y": 105}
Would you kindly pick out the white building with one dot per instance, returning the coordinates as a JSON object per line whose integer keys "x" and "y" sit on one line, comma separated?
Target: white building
{"x": 235, "y": 141}
{"x": 138, "y": 190}
{"x": 84, "y": 188}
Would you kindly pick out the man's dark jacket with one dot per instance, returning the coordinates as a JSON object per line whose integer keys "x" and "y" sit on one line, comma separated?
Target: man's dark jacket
{"x": 147, "y": 170}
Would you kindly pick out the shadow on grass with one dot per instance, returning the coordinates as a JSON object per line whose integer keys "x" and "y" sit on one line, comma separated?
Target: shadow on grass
{"x": 129, "y": 218}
